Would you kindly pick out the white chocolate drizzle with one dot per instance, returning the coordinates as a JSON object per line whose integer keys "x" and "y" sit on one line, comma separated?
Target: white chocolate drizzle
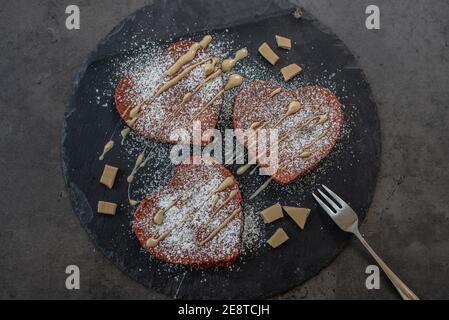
{"x": 261, "y": 188}
{"x": 139, "y": 161}
{"x": 160, "y": 215}
{"x": 229, "y": 63}
{"x": 153, "y": 242}
{"x": 256, "y": 125}
{"x": 188, "y": 56}
{"x": 275, "y": 92}
{"x": 184, "y": 73}
{"x": 293, "y": 108}
{"x": 243, "y": 169}
{"x": 107, "y": 147}
{"x": 231, "y": 196}
{"x": 226, "y": 183}
{"x": 214, "y": 202}
{"x": 221, "y": 226}
{"x": 209, "y": 68}
{"x": 189, "y": 95}
{"x": 305, "y": 154}
{"x": 124, "y": 134}
{"x": 234, "y": 80}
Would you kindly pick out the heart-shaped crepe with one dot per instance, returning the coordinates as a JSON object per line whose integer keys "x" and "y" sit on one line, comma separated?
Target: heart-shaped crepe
{"x": 199, "y": 227}
{"x": 160, "y": 115}
{"x": 309, "y": 134}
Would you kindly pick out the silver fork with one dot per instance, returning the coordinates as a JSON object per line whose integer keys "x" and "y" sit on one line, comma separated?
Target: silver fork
{"x": 347, "y": 220}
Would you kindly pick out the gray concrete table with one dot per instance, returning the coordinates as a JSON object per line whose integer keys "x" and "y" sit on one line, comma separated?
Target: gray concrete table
{"x": 406, "y": 63}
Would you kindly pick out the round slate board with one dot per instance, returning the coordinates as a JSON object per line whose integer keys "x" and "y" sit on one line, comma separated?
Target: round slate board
{"x": 350, "y": 170}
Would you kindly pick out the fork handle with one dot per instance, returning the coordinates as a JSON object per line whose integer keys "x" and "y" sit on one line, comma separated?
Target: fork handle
{"x": 400, "y": 286}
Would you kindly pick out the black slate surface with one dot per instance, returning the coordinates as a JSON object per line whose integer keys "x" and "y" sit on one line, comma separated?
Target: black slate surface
{"x": 350, "y": 170}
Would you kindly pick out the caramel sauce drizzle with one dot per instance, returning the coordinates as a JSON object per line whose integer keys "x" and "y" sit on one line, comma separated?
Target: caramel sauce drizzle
{"x": 135, "y": 111}
{"x": 141, "y": 162}
{"x": 183, "y": 60}
{"x": 153, "y": 242}
{"x": 258, "y": 125}
{"x": 134, "y": 115}
{"x": 159, "y": 217}
{"x": 242, "y": 169}
{"x": 321, "y": 119}
{"x": 305, "y": 154}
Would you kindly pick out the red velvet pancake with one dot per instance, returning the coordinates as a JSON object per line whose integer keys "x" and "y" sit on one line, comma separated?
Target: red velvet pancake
{"x": 304, "y": 148}
{"x": 191, "y": 220}
{"x": 160, "y": 116}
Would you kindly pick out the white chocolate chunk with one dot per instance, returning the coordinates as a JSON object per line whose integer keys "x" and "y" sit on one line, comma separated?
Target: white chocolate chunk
{"x": 290, "y": 71}
{"x": 268, "y": 53}
{"x": 108, "y": 208}
{"x": 278, "y": 238}
{"x": 283, "y": 42}
{"x": 299, "y": 215}
{"x": 108, "y": 176}
{"x": 272, "y": 213}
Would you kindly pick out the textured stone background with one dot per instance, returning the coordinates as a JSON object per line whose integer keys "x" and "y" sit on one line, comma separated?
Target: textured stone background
{"x": 406, "y": 63}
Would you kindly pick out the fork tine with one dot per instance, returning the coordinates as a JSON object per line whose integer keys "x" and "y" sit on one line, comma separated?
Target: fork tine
{"x": 329, "y": 200}
{"x": 340, "y": 201}
{"x": 323, "y": 205}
